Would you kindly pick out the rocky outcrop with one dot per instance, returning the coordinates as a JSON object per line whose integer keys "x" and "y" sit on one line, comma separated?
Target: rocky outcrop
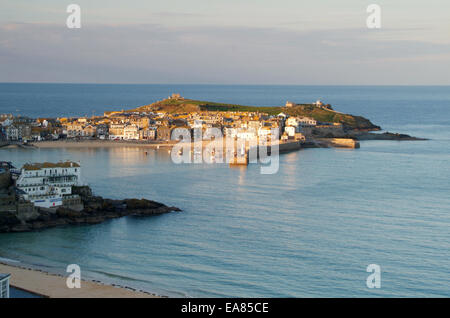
{"x": 8, "y": 220}
{"x": 96, "y": 210}
{"x": 384, "y": 136}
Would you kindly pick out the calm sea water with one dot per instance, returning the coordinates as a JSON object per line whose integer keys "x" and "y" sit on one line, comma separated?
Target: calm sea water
{"x": 309, "y": 230}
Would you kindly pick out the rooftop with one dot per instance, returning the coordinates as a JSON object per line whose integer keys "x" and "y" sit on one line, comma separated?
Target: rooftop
{"x": 38, "y": 166}
{"x": 3, "y": 276}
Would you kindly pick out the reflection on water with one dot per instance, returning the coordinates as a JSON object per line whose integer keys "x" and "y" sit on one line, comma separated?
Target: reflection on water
{"x": 309, "y": 230}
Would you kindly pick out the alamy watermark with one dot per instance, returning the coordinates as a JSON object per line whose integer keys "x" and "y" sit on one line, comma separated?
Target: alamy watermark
{"x": 74, "y": 19}
{"x": 374, "y": 19}
{"x": 74, "y": 279}
{"x": 210, "y": 146}
{"x": 374, "y": 279}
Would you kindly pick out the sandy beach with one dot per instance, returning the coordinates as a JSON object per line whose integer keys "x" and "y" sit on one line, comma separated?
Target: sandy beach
{"x": 54, "y": 286}
{"x": 98, "y": 144}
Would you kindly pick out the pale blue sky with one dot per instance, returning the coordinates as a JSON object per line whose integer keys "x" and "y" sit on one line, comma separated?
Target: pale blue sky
{"x": 226, "y": 41}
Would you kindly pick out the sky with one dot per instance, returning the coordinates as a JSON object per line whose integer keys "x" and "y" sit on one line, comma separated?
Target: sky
{"x": 321, "y": 42}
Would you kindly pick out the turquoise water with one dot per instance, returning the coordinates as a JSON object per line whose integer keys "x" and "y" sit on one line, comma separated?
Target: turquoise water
{"x": 310, "y": 230}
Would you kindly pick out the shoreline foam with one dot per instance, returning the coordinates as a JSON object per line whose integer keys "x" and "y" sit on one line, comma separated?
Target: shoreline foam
{"x": 53, "y": 285}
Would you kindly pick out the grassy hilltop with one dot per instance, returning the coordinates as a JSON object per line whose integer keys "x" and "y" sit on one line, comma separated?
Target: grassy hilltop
{"x": 307, "y": 110}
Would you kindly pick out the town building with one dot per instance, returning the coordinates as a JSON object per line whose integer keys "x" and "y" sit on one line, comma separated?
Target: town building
{"x": 4, "y": 285}
{"x": 102, "y": 131}
{"x": 48, "y": 184}
{"x": 306, "y": 121}
{"x": 163, "y": 133}
{"x": 73, "y": 130}
{"x": 147, "y": 133}
{"x": 131, "y": 132}
{"x": 116, "y": 131}
{"x": 16, "y": 132}
{"x": 290, "y": 130}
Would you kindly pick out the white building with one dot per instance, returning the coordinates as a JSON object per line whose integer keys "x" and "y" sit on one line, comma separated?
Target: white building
{"x": 246, "y": 134}
{"x": 290, "y": 104}
{"x": 292, "y": 121}
{"x": 318, "y": 103}
{"x": 6, "y": 122}
{"x": 116, "y": 131}
{"x": 4, "y": 285}
{"x": 46, "y": 184}
{"x": 197, "y": 124}
{"x": 230, "y": 132}
{"x": 131, "y": 132}
{"x": 290, "y": 130}
{"x": 12, "y": 133}
{"x": 306, "y": 121}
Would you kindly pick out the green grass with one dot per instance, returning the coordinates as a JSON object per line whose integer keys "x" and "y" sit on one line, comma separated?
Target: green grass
{"x": 307, "y": 110}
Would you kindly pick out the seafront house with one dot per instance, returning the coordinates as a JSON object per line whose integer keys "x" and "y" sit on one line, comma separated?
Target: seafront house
{"x": 89, "y": 131}
{"x": 116, "y": 131}
{"x": 102, "y": 131}
{"x": 49, "y": 184}
{"x": 73, "y": 130}
{"x": 163, "y": 133}
{"x": 16, "y": 132}
{"x": 147, "y": 133}
{"x": 131, "y": 132}
{"x": 4, "y": 285}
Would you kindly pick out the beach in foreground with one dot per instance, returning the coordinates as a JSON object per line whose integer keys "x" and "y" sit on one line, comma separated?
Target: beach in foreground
{"x": 54, "y": 286}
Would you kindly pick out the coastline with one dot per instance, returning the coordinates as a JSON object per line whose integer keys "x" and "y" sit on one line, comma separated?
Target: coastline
{"x": 51, "y": 285}
{"x": 98, "y": 144}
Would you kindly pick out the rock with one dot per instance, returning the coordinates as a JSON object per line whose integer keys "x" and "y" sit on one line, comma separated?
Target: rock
{"x": 8, "y": 219}
{"x": 83, "y": 191}
{"x": 68, "y": 213}
{"x": 385, "y": 136}
{"x": 142, "y": 204}
{"x": 96, "y": 210}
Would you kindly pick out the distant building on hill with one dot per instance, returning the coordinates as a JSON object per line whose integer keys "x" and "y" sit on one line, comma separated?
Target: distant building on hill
{"x": 290, "y": 104}
{"x": 176, "y": 96}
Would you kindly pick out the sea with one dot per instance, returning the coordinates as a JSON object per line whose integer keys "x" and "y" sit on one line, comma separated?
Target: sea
{"x": 309, "y": 230}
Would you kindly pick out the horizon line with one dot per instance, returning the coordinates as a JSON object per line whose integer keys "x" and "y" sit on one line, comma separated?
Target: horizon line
{"x": 229, "y": 84}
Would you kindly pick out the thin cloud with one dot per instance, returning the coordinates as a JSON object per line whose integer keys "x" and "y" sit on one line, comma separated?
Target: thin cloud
{"x": 152, "y": 53}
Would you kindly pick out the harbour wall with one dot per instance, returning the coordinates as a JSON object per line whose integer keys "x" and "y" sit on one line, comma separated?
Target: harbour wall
{"x": 339, "y": 142}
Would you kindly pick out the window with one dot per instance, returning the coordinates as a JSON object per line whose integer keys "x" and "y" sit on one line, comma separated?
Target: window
{"x": 4, "y": 289}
